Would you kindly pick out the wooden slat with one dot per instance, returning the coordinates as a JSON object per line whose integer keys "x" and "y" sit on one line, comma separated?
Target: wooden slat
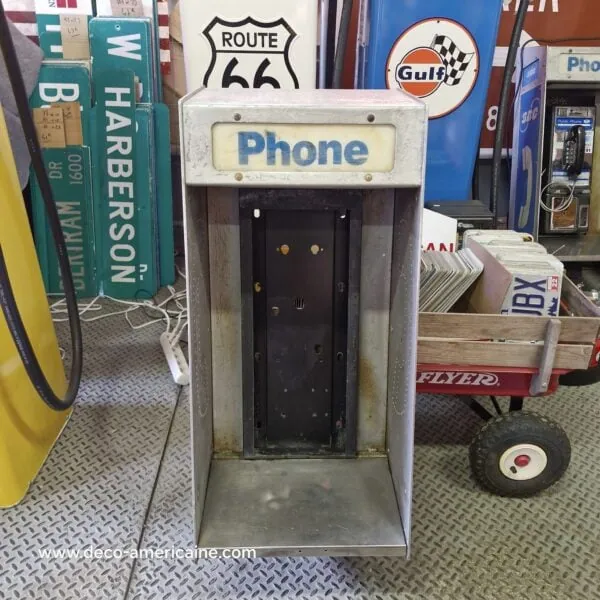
{"x": 574, "y": 330}
{"x": 578, "y": 303}
{"x": 499, "y": 354}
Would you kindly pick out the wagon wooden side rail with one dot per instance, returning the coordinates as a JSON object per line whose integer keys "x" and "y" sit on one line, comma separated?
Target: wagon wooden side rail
{"x": 472, "y": 339}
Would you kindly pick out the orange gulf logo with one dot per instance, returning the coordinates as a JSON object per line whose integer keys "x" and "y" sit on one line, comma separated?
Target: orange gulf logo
{"x": 421, "y": 72}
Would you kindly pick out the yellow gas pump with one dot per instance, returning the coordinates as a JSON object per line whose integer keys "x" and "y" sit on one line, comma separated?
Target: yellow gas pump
{"x": 35, "y": 398}
{"x": 28, "y": 426}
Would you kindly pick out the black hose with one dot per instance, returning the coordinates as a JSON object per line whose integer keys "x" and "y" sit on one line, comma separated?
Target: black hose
{"x": 7, "y": 298}
{"x": 330, "y": 41}
{"x": 511, "y": 59}
{"x": 475, "y": 191}
{"x": 342, "y": 44}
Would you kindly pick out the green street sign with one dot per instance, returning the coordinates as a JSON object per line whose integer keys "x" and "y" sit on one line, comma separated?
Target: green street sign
{"x": 70, "y": 175}
{"x": 121, "y": 44}
{"x": 164, "y": 195}
{"x": 69, "y": 172}
{"x": 126, "y": 261}
{"x": 65, "y": 81}
{"x": 145, "y": 144}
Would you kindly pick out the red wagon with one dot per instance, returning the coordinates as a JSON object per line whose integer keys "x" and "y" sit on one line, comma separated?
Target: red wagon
{"x": 515, "y": 453}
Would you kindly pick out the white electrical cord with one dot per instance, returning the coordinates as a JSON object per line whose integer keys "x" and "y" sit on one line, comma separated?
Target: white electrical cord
{"x": 566, "y": 203}
{"x": 180, "y": 315}
{"x": 176, "y": 321}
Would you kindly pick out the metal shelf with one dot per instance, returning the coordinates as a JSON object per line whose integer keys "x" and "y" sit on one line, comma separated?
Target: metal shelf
{"x": 573, "y": 248}
{"x": 310, "y": 507}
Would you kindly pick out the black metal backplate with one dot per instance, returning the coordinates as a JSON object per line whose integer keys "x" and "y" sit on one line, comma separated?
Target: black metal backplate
{"x": 299, "y": 287}
{"x": 298, "y": 331}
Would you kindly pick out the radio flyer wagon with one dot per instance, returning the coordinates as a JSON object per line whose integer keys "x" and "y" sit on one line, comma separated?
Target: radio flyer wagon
{"x": 514, "y": 453}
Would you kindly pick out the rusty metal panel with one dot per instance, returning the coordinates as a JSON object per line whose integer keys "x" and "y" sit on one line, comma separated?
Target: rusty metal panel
{"x": 226, "y": 318}
{"x": 377, "y": 233}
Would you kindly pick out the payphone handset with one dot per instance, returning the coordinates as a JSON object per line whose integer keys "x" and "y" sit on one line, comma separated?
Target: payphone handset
{"x": 572, "y": 145}
{"x": 566, "y": 201}
{"x": 527, "y": 159}
{"x": 573, "y": 158}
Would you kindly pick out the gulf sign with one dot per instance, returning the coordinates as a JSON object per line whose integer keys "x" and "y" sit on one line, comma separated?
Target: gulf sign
{"x": 437, "y": 60}
{"x": 421, "y": 72}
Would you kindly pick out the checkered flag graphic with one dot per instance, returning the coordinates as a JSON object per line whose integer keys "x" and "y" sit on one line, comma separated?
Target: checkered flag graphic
{"x": 455, "y": 61}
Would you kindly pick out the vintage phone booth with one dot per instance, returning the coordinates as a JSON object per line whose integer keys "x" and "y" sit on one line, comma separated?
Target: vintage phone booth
{"x": 302, "y": 219}
{"x": 555, "y": 181}
{"x": 441, "y": 52}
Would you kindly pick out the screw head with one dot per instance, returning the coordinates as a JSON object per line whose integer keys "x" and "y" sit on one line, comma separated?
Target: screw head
{"x": 237, "y": 117}
{"x": 239, "y": 177}
{"x": 368, "y": 177}
{"x": 370, "y": 118}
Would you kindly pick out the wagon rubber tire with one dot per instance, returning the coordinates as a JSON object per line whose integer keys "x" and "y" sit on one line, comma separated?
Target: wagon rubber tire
{"x": 519, "y": 454}
{"x": 580, "y": 378}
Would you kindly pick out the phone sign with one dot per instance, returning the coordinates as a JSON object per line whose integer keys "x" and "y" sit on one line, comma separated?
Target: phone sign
{"x": 307, "y": 148}
{"x": 583, "y": 63}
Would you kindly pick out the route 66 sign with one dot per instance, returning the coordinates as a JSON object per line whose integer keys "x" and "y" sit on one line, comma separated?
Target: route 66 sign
{"x": 268, "y": 44}
{"x": 250, "y": 54}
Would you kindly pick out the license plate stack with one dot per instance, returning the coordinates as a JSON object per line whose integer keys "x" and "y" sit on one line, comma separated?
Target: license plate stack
{"x": 519, "y": 278}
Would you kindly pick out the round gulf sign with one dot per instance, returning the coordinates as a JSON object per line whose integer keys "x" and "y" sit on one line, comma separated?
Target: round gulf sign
{"x": 436, "y": 60}
{"x": 421, "y": 72}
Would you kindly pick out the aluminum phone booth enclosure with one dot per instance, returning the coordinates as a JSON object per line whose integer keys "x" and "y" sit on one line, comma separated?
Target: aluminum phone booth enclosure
{"x": 302, "y": 221}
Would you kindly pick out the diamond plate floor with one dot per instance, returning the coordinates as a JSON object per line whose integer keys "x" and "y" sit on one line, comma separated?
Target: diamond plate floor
{"x": 98, "y": 488}
{"x": 95, "y": 488}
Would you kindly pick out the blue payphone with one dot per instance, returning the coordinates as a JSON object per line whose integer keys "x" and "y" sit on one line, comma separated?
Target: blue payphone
{"x": 441, "y": 52}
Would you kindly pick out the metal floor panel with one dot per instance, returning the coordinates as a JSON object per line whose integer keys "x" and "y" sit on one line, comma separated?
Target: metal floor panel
{"x": 95, "y": 487}
{"x": 467, "y": 545}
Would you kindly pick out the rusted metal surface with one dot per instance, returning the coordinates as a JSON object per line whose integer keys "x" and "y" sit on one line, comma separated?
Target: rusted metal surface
{"x": 226, "y": 318}
{"x": 378, "y": 216}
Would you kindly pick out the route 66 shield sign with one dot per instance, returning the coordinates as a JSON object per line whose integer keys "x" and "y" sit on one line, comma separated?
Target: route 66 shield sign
{"x": 250, "y": 54}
